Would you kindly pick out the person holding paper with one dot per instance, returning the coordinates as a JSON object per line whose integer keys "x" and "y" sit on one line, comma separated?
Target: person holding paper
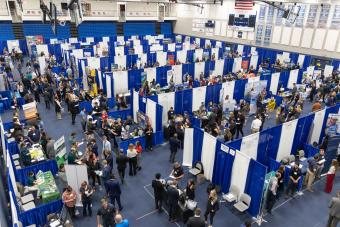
{"x": 69, "y": 198}
{"x": 177, "y": 173}
{"x": 86, "y": 192}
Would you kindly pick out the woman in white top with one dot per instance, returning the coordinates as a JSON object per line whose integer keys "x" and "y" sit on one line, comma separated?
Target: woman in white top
{"x": 132, "y": 155}
{"x": 331, "y": 175}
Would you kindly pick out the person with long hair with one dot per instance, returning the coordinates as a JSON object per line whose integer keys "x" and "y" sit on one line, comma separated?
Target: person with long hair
{"x": 331, "y": 175}
{"x": 212, "y": 207}
{"x": 190, "y": 190}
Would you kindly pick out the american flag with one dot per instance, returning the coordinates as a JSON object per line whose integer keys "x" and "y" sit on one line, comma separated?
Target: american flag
{"x": 244, "y": 4}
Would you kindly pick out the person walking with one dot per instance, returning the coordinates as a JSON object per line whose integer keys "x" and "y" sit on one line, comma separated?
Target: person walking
{"x": 113, "y": 191}
{"x": 158, "y": 189}
{"x": 86, "y": 192}
{"x": 83, "y": 119}
{"x": 212, "y": 207}
{"x": 240, "y": 120}
{"x": 46, "y": 96}
{"x": 334, "y": 211}
{"x": 132, "y": 155}
{"x": 331, "y": 175}
{"x": 58, "y": 107}
{"x": 105, "y": 214}
{"x": 272, "y": 192}
{"x": 196, "y": 220}
{"x": 174, "y": 145}
{"x": 121, "y": 161}
{"x": 311, "y": 171}
{"x": 74, "y": 108}
{"x": 173, "y": 196}
{"x": 120, "y": 222}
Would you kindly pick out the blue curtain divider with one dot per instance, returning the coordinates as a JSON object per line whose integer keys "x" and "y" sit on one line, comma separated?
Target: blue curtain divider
{"x": 254, "y": 185}
{"x": 159, "y": 114}
{"x": 198, "y": 138}
{"x": 223, "y": 167}
{"x": 187, "y": 100}
{"x": 273, "y": 136}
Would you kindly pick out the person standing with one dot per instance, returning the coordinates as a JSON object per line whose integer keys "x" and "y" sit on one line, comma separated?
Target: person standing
{"x": 311, "y": 171}
{"x": 83, "y": 119}
{"x": 105, "y": 214}
{"x": 190, "y": 190}
{"x": 334, "y": 211}
{"x": 120, "y": 222}
{"x": 240, "y": 119}
{"x": 173, "y": 196}
{"x": 174, "y": 145}
{"x": 256, "y": 124}
{"x": 331, "y": 175}
{"x": 106, "y": 171}
{"x": 74, "y": 108}
{"x": 272, "y": 192}
{"x": 69, "y": 198}
{"x": 294, "y": 177}
{"x": 212, "y": 207}
{"x": 158, "y": 189}
{"x": 58, "y": 107}
{"x": 148, "y": 137}
{"x": 113, "y": 191}
{"x": 86, "y": 192}
{"x": 132, "y": 155}
{"x": 196, "y": 220}
{"x": 106, "y": 145}
{"x": 121, "y": 161}
{"x": 46, "y": 96}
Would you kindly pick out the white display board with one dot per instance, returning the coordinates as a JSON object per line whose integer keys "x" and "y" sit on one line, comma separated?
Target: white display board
{"x": 75, "y": 175}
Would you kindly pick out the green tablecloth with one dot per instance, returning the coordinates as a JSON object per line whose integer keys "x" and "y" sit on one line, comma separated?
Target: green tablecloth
{"x": 47, "y": 186}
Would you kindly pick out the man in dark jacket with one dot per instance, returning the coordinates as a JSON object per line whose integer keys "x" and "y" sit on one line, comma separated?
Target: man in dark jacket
{"x": 196, "y": 221}
{"x": 121, "y": 161}
{"x": 173, "y": 196}
{"x": 174, "y": 145}
{"x": 74, "y": 109}
{"x": 113, "y": 191}
{"x": 158, "y": 189}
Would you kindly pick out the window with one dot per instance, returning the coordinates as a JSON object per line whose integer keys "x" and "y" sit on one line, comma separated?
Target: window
{"x": 324, "y": 16}
{"x": 270, "y": 15}
{"x": 259, "y": 32}
{"x": 267, "y": 34}
{"x": 336, "y": 17}
{"x": 313, "y": 9}
{"x": 279, "y": 19}
{"x": 262, "y": 12}
{"x": 300, "y": 19}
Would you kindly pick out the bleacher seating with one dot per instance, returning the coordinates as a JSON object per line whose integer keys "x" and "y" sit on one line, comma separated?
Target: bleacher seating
{"x": 93, "y": 29}
{"x": 166, "y": 28}
{"x": 142, "y": 28}
{"x": 45, "y": 30}
{"x": 6, "y": 32}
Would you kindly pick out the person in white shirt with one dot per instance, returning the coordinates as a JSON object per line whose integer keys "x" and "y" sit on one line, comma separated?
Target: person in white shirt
{"x": 256, "y": 125}
{"x": 271, "y": 193}
{"x": 106, "y": 145}
{"x": 132, "y": 156}
{"x": 228, "y": 104}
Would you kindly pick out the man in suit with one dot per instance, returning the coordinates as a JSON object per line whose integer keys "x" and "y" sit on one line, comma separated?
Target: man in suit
{"x": 173, "y": 196}
{"x": 121, "y": 161}
{"x": 158, "y": 189}
{"x": 174, "y": 145}
{"x": 334, "y": 211}
{"x": 196, "y": 220}
{"x": 113, "y": 191}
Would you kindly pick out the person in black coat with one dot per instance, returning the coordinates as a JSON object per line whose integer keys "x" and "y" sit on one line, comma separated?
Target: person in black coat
{"x": 174, "y": 145}
{"x": 212, "y": 206}
{"x": 121, "y": 162}
{"x": 173, "y": 196}
{"x": 190, "y": 190}
{"x": 74, "y": 109}
{"x": 148, "y": 137}
{"x": 196, "y": 221}
{"x": 158, "y": 189}
{"x": 113, "y": 191}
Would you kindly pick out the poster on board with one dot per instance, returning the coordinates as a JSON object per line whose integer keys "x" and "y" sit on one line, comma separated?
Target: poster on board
{"x": 333, "y": 124}
{"x": 60, "y": 150}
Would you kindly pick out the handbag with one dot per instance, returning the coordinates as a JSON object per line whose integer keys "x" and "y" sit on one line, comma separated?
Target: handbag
{"x": 191, "y": 204}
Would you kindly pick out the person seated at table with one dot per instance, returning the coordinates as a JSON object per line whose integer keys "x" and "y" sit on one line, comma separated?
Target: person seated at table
{"x": 91, "y": 125}
{"x": 72, "y": 156}
{"x": 102, "y": 100}
{"x": 177, "y": 172}
{"x": 30, "y": 179}
{"x": 125, "y": 132}
{"x": 34, "y": 134}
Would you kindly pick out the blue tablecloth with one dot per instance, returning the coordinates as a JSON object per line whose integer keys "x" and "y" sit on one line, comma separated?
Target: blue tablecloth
{"x": 21, "y": 101}
{"x": 6, "y": 102}
{"x": 38, "y": 215}
{"x": 87, "y": 105}
{"x": 310, "y": 151}
{"x": 120, "y": 114}
{"x": 158, "y": 138}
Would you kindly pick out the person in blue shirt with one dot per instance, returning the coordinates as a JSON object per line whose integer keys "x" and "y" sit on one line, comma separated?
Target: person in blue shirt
{"x": 246, "y": 224}
{"x": 120, "y": 222}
